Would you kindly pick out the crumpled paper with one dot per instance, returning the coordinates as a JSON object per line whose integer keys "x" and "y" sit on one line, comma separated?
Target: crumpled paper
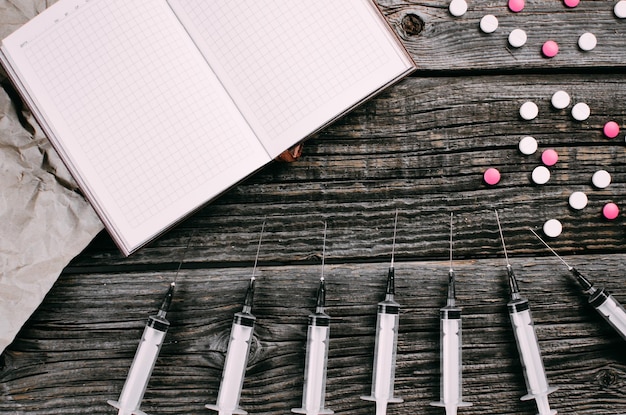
{"x": 44, "y": 221}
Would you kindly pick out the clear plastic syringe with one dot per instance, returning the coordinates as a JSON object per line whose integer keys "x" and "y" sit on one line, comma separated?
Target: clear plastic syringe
{"x": 527, "y": 343}
{"x": 599, "y": 298}
{"x": 316, "y": 360}
{"x": 237, "y": 353}
{"x": 451, "y": 393}
{"x": 386, "y": 342}
{"x": 144, "y": 360}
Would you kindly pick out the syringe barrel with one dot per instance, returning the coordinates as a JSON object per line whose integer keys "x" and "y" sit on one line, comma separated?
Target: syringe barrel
{"x": 450, "y": 356}
{"x": 610, "y": 309}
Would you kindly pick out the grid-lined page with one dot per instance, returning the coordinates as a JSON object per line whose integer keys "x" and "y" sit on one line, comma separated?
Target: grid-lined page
{"x": 138, "y": 112}
{"x": 287, "y": 61}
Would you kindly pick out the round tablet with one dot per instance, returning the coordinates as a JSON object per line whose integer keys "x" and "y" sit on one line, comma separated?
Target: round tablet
{"x": 549, "y": 157}
{"x": 560, "y": 100}
{"x": 491, "y": 176}
{"x": 528, "y": 145}
{"x": 610, "y": 211}
{"x": 581, "y": 111}
{"x": 528, "y": 110}
{"x": 550, "y": 49}
{"x": 611, "y": 129}
{"x": 571, "y": 3}
{"x": 517, "y": 38}
{"x": 620, "y": 9}
{"x": 587, "y": 41}
{"x": 457, "y": 7}
{"x": 578, "y": 200}
{"x": 489, "y": 23}
{"x": 601, "y": 179}
{"x": 516, "y": 5}
{"x": 552, "y": 228}
{"x": 541, "y": 175}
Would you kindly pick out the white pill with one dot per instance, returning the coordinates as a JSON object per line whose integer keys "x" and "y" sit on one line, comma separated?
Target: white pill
{"x": 517, "y": 38}
{"x": 528, "y": 110}
{"x": 457, "y": 7}
{"x": 587, "y": 41}
{"x": 578, "y": 200}
{"x": 489, "y": 23}
{"x": 581, "y": 111}
{"x": 552, "y": 228}
{"x": 560, "y": 100}
{"x": 601, "y": 179}
{"x": 620, "y": 9}
{"x": 528, "y": 145}
{"x": 541, "y": 175}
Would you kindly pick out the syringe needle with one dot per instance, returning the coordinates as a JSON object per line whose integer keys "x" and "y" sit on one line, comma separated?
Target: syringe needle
{"x": 238, "y": 350}
{"x": 385, "y": 347}
{"x": 451, "y": 394}
{"x": 527, "y": 343}
{"x": 603, "y": 301}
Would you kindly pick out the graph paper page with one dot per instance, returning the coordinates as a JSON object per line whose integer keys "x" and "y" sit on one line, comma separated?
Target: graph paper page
{"x": 292, "y": 66}
{"x": 134, "y": 110}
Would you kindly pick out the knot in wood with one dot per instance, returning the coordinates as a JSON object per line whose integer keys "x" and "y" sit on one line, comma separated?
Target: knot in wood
{"x": 412, "y": 24}
{"x": 607, "y": 378}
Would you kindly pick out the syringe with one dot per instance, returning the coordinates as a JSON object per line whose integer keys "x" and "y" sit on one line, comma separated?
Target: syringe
{"x": 527, "y": 343}
{"x": 316, "y": 360}
{"x": 386, "y": 342}
{"x": 144, "y": 360}
{"x": 451, "y": 393}
{"x": 603, "y": 301}
{"x": 238, "y": 350}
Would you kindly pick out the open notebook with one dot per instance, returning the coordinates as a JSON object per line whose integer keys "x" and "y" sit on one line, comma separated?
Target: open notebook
{"x": 159, "y": 106}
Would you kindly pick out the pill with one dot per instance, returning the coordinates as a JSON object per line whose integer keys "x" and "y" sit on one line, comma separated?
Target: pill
{"x": 489, "y": 23}
{"x": 549, "y": 157}
{"x": 528, "y": 145}
{"x": 491, "y": 176}
{"x": 552, "y": 228}
{"x": 578, "y": 200}
{"x": 620, "y": 9}
{"x": 587, "y": 41}
{"x": 610, "y": 211}
{"x": 560, "y": 100}
{"x": 611, "y": 129}
{"x": 517, "y": 38}
{"x": 528, "y": 110}
{"x": 571, "y": 3}
{"x": 540, "y": 175}
{"x": 457, "y": 7}
{"x": 550, "y": 49}
{"x": 516, "y": 5}
{"x": 601, "y": 179}
{"x": 581, "y": 111}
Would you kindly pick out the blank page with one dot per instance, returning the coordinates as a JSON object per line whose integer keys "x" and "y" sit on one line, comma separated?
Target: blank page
{"x": 292, "y": 66}
{"x": 134, "y": 110}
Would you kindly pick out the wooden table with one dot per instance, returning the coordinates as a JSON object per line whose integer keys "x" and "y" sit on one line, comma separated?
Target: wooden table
{"x": 420, "y": 148}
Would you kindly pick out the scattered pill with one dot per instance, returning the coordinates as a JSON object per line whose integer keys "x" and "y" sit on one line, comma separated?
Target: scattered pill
{"x": 491, "y": 176}
{"x": 581, "y": 111}
{"x": 611, "y": 129}
{"x": 610, "y": 211}
{"x": 601, "y": 179}
{"x": 552, "y": 228}
{"x": 549, "y": 157}
{"x": 528, "y": 110}
{"x": 620, "y": 9}
{"x": 516, "y": 6}
{"x": 489, "y": 23}
{"x": 560, "y": 100}
{"x": 550, "y": 49}
{"x": 571, "y": 3}
{"x": 528, "y": 145}
{"x": 578, "y": 200}
{"x": 457, "y": 7}
{"x": 587, "y": 41}
{"x": 517, "y": 38}
{"x": 541, "y": 175}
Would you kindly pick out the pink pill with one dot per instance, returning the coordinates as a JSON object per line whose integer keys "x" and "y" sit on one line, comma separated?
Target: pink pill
{"x": 610, "y": 211}
{"x": 550, "y": 49}
{"x": 611, "y": 129}
{"x": 571, "y": 3}
{"x": 491, "y": 176}
{"x": 549, "y": 157}
{"x": 516, "y": 5}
